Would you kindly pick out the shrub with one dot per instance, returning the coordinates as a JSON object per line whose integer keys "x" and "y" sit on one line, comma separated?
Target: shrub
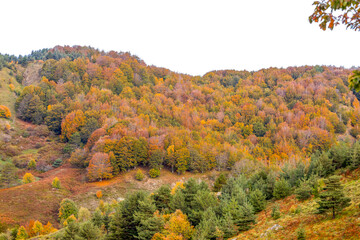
{"x": 139, "y": 175}
{"x": 4, "y": 112}
{"x": 275, "y": 214}
{"x": 301, "y": 235}
{"x": 99, "y": 194}
{"x": 28, "y": 178}
{"x": 303, "y": 192}
{"x": 57, "y": 163}
{"x": 56, "y": 183}
{"x": 154, "y": 173}
{"x": 32, "y": 164}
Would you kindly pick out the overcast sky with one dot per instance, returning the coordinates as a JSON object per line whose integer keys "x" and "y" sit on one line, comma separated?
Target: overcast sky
{"x": 191, "y": 37}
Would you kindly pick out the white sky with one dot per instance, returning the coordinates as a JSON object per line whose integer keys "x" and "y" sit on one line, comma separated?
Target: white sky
{"x": 188, "y": 36}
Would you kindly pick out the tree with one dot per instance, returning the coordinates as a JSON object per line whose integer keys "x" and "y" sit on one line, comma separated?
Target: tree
{"x": 139, "y": 175}
{"x": 22, "y": 234}
{"x": 281, "y": 189}
{"x": 84, "y": 214}
{"x": 301, "y": 234}
{"x": 333, "y": 198}
{"x": 330, "y": 13}
{"x": 99, "y": 167}
{"x": 31, "y": 164}
{"x": 219, "y": 182}
{"x": 88, "y": 231}
{"x": 67, "y": 208}
{"x": 56, "y": 183}
{"x": 162, "y": 197}
{"x": 303, "y": 192}
{"x": 182, "y": 160}
{"x": 8, "y": 174}
{"x": 37, "y": 228}
{"x": 28, "y": 178}
{"x": 257, "y": 200}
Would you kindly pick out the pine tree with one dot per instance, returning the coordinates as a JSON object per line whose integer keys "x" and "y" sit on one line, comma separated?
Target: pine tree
{"x": 219, "y": 182}
{"x": 162, "y": 197}
{"x": 71, "y": 231}
{"x": 303, "y": 192}
{"x": 89, "y": 231}
{"x": 257, "y": 200}
{"x": 281, "y": 189}
{"x": 333, "y": 198}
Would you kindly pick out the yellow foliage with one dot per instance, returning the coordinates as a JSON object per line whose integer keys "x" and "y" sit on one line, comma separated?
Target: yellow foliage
{"x": 99, "y": 194}
{"x": 28, "y": 178}
{"x": 4, "y": 112}
{"x": 176, "y": 187}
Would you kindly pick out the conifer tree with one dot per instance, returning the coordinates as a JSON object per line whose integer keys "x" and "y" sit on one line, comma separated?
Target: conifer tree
{"x": 71, "y": 231}
{"x": 219, "y": 182}
{"x": 303, "y": 192}
{"x": 88, "y": 231}
{"x": 162, "y": 197}
{"x": 281, "y": 189}
{"x": 333, "y": 198}
{"x": 8, "y": 174}
{"x": 257, "y": 200}
{"x": 67, "y": 208}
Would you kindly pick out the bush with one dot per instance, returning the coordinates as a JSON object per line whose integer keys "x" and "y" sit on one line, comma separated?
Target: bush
{"x": 154, "y": 173}
{"x": 99, "y": 194}
{"x": 28, "y": 178}
{"x": 32, "y": 164}
{"x": 139, "y": 175}
{"x": 56, "y": 183}
{"x": 84, "y": 214}
{"x": 275, "y": 214}
{"x": 219, "y": 182}
{"x": 4, "y": 112}
{"x": 57, "y": 163}
{"x": 301, "y": 235}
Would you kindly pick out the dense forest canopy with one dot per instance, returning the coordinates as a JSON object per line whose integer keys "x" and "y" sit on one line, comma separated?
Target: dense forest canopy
{"x": 113, "y": 103}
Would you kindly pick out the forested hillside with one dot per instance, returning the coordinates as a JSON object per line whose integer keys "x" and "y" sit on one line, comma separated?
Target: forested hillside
{"x": 113, "y": 103}
{"x": 74, "y": 117}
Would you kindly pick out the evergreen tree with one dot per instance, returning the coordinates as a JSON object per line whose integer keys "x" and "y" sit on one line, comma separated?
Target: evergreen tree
{"x": 88, "y": 231}
{"x": 303, "y": 192}
{"x": 355, "y": 156}
{"x": 257, "y": 200}
{"x": 333, "y": 198}
{"x": 281, "y": 189}
{"x": 67, "y": 208}
{"x": 275, "y": 213}
{"x": 71, "y": 231}
{"x": 219, "y": 182}
{"x": 162, "y": 197}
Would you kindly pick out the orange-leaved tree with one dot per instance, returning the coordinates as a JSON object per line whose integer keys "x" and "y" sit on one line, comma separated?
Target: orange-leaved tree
{"x": 99, "y": 167}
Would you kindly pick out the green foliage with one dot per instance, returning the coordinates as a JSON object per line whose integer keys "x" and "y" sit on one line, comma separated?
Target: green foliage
{"x": 67, "y": 208}
{"x": 354, "y": 81}
{"x": 219, "y": 182}
{"x": 257, "y": 200}
{"x": 154, "y": 173}
{"x": 22, "y": 234}
{"x": 8, "y": 175}
{"x": 57, "y": 163}
{"x": 275, "y": 213}
{"x": 301, "y": 234}
{"x": 84, "y": 214}
{"x": 303, "y": 192}
{"x": 139, "y": 175}
{"x": 333, "y": 198}
{"x": 32, "y": 164}
{"x": 162, "y": 197}
{"x": 282, "y": 189}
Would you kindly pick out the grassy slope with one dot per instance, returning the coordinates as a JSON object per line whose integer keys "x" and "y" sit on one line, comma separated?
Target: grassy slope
{"x": 344, "y": 226}
{"x": 39, "y": 201}
{"x": 7, "y": 98}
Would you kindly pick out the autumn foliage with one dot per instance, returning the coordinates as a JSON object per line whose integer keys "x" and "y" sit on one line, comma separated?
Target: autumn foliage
{"x": 4, "y": 112}
{"x": 99, "y": 167}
